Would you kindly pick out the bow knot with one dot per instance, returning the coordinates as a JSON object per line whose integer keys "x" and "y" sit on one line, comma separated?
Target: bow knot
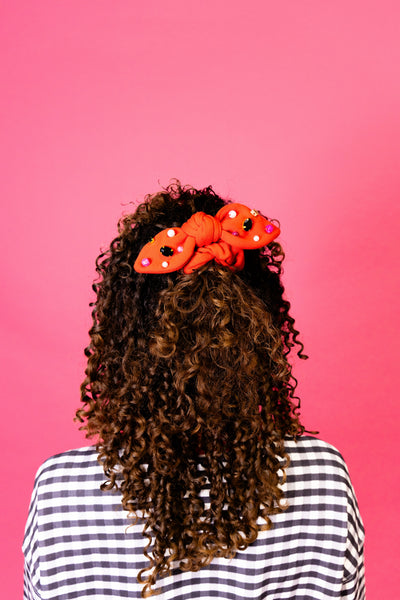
{"x": 205, "y": 229}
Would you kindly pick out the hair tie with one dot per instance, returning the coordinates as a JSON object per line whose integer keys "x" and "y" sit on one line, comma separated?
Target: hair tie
{"x": 203, "y": 237}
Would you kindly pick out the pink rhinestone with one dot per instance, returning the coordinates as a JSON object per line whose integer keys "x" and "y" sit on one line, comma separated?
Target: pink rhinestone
{"x": 180, "y": 248}
{"x": 146, "y": 262}
{"x": 269, "y": 228}
{"x": 235, "y": 233}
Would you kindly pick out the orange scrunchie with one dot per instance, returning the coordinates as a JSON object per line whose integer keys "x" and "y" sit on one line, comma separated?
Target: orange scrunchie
{"x": 203, "y": 238}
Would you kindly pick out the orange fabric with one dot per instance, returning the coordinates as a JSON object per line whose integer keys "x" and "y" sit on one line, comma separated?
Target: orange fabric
{"x": 205, "y": 229}
{"x": 221, "y": 252}
{"x": 203, "y": 238}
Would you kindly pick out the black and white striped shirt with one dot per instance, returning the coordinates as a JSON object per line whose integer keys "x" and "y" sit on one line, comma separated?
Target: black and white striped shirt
{"x": 77, "y": 544}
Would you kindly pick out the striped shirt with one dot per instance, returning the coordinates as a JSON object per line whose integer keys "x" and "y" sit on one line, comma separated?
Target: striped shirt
{"x": 77, "y": 544}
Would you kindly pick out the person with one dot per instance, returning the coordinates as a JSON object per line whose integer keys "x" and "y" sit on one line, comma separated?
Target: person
{"x": 202, "y": 483}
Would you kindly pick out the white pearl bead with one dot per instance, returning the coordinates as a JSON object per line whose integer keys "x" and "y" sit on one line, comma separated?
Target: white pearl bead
{"x": 256, "y": 238}
{"x": 170, "y": 233}
{"x": 164, "y": 264}
{"x": 232, "y": 214}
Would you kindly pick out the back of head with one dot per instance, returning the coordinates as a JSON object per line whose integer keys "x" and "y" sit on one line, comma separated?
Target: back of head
{"x": 188, "y": 385}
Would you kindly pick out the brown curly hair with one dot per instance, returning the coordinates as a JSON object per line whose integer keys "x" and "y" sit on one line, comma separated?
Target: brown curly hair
{"x": 188, "y": 385}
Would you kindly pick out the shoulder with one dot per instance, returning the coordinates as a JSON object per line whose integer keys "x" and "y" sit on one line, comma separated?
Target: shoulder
{"x": 85, "y": 456}
{"x": 70, "y": 466}
{"x": 74, "y": 456}
{"x": 308, "y": 449}
{"x": 317, "y": 463}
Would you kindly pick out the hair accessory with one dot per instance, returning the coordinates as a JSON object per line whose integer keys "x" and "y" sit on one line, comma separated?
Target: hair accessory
{"x": 203, "y": 238}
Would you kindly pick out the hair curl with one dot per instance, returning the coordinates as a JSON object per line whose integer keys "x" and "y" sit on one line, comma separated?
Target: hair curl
{"x": 188, "y": 384}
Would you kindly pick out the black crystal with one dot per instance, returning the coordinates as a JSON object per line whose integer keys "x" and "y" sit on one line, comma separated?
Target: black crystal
{"x": 247, "y": 224}
{"x": 166, "y": 251}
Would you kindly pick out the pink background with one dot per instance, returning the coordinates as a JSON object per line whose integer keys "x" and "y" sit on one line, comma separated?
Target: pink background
{"x": 291, "y": 107}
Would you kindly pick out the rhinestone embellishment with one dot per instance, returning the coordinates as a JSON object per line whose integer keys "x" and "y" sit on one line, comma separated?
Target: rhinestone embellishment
{"x": 247, "y": 224}
{"x": 166, "y": 251}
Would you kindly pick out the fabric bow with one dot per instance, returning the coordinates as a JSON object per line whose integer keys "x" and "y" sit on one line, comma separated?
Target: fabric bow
{"x": 203, "y": 237}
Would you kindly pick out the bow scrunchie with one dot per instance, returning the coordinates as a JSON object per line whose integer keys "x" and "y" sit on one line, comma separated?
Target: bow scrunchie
{"x": 203, "y": 238}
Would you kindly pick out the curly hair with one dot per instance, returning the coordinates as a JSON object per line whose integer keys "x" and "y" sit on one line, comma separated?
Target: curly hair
{"x": 188, "y": 386}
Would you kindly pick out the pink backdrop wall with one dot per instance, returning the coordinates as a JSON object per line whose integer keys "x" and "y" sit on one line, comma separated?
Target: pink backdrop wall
{"x": 292, "y": 107}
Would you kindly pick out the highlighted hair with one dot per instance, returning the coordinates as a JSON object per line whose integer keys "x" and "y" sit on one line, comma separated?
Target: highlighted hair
{"x": 188, "y": 383}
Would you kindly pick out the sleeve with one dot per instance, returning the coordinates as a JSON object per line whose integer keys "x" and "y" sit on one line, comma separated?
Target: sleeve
{"x": 353, "y": 584}
{"x": 30, "y": 548}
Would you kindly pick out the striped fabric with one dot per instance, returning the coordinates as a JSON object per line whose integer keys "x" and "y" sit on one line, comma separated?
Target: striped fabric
{"x": 77, "y": 544}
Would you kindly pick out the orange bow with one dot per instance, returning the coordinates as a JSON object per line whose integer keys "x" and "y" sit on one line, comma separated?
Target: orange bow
{"x": 203, "y": 238}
